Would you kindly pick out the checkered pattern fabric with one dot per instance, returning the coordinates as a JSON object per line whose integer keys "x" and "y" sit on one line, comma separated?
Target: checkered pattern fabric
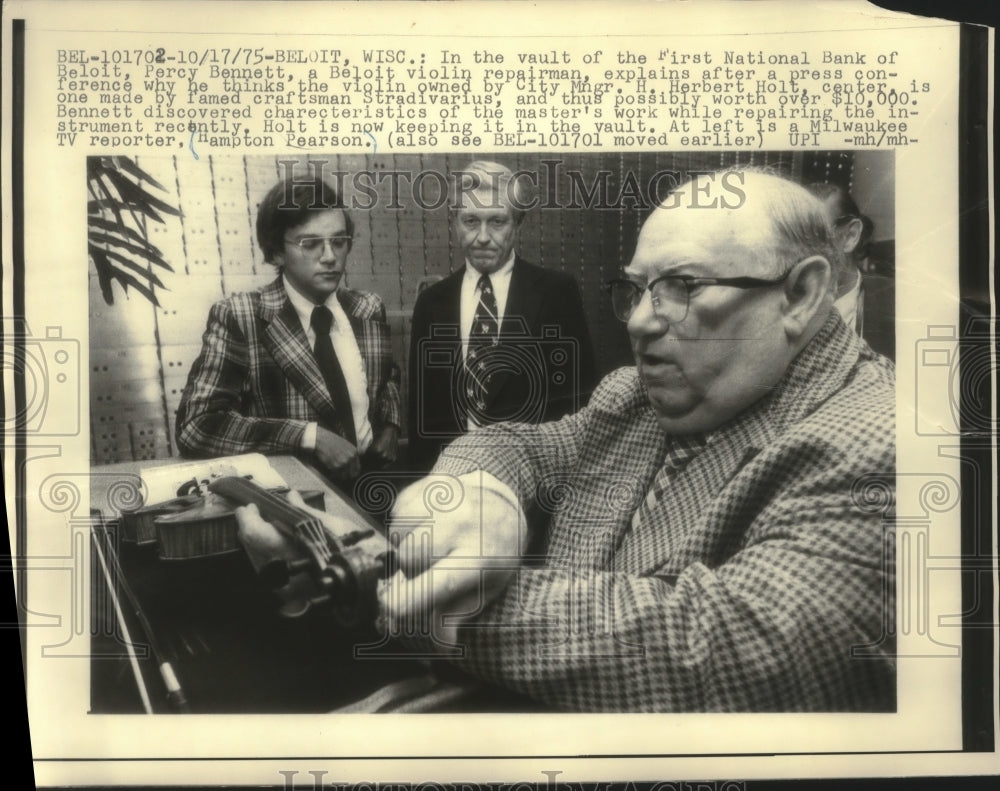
{"x": 679, "y": 452}
{"x": 256, "y": 384}
{"x": 756, "y": 583}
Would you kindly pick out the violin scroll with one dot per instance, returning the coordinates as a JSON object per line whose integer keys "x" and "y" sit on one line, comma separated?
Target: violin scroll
{"x": 317, "y": 565}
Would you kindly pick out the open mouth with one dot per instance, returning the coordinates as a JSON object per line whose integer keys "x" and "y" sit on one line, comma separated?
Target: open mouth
{"x": 657, "y": 370}
{"x": 653, "y": 363}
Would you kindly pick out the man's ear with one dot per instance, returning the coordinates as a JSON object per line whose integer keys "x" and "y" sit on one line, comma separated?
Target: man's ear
{"x": 852, "y": 235}
{"x": 807, "y": 288}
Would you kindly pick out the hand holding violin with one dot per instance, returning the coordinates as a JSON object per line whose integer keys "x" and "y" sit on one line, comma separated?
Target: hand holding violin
{"x": 310, "y": 557}
{"x": 454, "y": 560}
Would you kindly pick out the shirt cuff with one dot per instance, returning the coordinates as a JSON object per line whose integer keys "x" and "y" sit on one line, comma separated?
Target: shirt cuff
{"x": 309, "y": 437}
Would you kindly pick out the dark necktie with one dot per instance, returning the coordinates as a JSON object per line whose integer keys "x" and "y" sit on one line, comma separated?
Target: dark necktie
{"x": 333, "y": 375}
{"x": 483, "y": 336}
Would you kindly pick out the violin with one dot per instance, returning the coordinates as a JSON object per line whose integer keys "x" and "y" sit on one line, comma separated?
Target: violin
{"x": 337, "y": 571}
{"x": 194, "y": 524}
{"x": 344, "y": 569}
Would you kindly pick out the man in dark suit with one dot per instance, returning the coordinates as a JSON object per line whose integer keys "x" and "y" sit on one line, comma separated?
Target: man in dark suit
{"x": 500, "y": 339}
{"x": 302, "y": 365}
{"x": 865, "y": 300}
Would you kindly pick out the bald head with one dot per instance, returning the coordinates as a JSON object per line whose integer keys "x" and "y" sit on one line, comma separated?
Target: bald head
{"x": 761, "y": 223}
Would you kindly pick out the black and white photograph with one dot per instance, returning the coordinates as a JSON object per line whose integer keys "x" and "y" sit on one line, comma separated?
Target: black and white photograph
{"x": 483, "y": 393}
{"x": 495, "y": 320}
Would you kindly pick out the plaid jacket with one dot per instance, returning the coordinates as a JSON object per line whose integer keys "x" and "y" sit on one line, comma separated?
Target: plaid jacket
{"x": 256, "y": 384}
{"x": 760, "y": 582}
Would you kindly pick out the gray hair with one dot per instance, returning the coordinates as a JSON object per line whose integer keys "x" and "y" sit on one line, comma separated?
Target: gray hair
{"x": 799, "y": 225}
{"x": 485, "y": 176}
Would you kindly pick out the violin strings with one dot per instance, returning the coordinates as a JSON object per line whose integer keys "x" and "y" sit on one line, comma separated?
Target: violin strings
{"x": 276, "y": 508}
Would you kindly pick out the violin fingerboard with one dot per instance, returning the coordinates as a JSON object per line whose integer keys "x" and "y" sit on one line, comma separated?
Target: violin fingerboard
{"x": 297, "y": 524}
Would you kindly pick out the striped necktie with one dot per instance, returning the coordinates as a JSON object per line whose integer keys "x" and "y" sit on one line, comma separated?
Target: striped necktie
{"x": 680, "y": 451}
{"x": 483, "y": 336}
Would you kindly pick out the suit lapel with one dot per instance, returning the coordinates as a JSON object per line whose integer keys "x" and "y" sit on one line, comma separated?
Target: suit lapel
{"x": 448, "y": 308}
{"x": 350, "y": 301}
{"x": 366, "y": 335}
{"x": 524, "y": 304}
{"x": 445, "y": 313}
{"x": 524, "y": 301}
{"x": 288, "y": 346}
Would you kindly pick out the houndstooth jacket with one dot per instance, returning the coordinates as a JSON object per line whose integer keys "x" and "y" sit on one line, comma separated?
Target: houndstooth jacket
{"x": 760, "y": 582}
{"x": 256, "y": 385}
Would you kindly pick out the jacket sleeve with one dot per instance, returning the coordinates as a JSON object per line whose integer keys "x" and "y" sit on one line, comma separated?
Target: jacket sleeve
{"x": 421, "y": 450}
{"x": 524, "y": 456}
{"x": 210, "y": 420}
{"x": 387, "y": 405}
{"x": 386, "y": 408}
{"x": 795, "y": 618}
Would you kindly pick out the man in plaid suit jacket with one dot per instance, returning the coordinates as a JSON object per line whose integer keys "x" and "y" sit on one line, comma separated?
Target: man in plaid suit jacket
{"x": 257, "y": 385}
{"x": 712, "y": 544}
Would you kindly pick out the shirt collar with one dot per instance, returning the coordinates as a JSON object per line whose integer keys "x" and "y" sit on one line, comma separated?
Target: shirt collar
{"x": 472, "y": 274}
{"x": 304, "y": 306}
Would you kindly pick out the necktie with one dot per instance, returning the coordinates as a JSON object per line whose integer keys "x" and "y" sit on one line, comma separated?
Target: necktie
{"x": 679, "y": 452}
{"x": 333, "y": 375}
{"x": 483, "y": 336}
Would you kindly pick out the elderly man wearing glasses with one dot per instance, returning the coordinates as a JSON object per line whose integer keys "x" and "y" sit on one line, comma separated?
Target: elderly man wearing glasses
{"x": 711, "y": 546}
{"x": 302, "y": 365}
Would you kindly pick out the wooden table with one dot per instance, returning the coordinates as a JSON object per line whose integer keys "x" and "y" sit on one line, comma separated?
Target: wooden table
{"x": 219, "y": 629}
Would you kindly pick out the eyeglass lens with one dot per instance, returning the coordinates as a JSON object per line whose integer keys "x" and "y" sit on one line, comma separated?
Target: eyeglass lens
{"x": 314, "y": 244}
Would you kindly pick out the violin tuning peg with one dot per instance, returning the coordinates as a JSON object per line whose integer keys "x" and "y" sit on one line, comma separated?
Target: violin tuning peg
{"x": 276, "y": 573}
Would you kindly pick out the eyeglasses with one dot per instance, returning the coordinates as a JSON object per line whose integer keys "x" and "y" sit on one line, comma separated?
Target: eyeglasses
{"x": 671, "y": 294}
{"x": 314, "y": 245}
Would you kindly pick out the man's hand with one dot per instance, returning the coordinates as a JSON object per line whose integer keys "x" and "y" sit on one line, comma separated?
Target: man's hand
{"x": 265, "y": 544}
{"x": 338, "y": 455}
{"x": 455, "y": 558}
{"x": 385, "y": 446}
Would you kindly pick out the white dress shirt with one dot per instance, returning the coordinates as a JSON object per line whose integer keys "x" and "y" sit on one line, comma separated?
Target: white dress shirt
{"x": 470, "y": 301}
{"x": 850, "y": 306}
{"x": 345, "y": 345}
